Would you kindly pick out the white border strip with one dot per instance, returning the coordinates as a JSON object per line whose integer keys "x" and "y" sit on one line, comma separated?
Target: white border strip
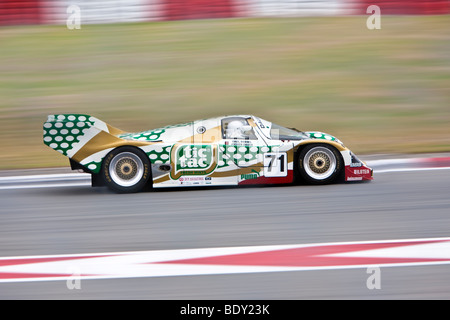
{"x": 157, "y": 263}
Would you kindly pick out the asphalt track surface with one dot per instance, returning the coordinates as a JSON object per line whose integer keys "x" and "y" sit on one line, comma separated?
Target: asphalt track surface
{"x": 76, "y": 219}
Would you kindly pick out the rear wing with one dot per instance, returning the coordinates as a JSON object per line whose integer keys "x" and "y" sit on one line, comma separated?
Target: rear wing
{"x": 67, "y": 133}
{"x": 72, "y": 134}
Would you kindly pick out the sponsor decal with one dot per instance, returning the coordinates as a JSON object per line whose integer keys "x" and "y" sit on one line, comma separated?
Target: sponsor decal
{"x": 361, "y": 171}
{"x": 358, "y": 173}
{"x": 193, "y": 159}
{"x": 236, "y": 142}
{"x": 354, "y": 165}
{"x": 197, "y": 180}
{"x": 354, "y": 178}
{"x": 261, "y": 125}
{"x": 250, "y": 176}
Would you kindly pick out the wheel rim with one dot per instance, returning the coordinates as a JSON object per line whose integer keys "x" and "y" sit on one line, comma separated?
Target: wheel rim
{"x": 126, "y": 169}
{"x": 319, "y": 163}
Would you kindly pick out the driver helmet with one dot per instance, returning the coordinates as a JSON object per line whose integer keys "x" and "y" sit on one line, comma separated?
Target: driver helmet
{"x": 234, "y": 130}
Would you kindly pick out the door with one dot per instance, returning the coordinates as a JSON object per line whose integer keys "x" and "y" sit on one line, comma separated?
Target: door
{"x": 195, "y": 159}
{"x": 242, "y": 148}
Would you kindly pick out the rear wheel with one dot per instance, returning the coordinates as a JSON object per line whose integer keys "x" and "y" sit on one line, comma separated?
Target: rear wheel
{"x": 319, "y": 164}
{"x": 126, "y": 170}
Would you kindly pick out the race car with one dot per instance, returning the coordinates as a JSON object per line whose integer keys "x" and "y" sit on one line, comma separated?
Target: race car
{"x": 220, "y": 151}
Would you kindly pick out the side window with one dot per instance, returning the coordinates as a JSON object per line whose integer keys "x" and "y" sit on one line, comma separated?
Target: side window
{"x": 237, "y": 128}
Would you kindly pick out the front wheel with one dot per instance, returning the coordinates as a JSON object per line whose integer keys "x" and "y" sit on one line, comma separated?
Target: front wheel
{"x": 319, "y": 164}
{"x": 126, "y": 170}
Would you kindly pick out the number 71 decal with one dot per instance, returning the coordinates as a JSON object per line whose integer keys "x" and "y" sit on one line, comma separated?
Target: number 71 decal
{"x": 275, "y": 164}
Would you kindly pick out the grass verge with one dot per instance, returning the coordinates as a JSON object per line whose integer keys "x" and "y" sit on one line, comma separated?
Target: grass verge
{"x": 382, "y": 90}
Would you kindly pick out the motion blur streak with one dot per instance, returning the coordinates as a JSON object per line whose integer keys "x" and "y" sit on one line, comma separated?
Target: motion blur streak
{"x": 312, "y": 65}
{"x": 63, "y": 221}
{"x": 111, "y": 11}
{"x": 16, "y": 12}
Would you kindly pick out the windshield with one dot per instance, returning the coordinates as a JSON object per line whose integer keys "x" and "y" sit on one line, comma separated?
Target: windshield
{"x": 278, "y": 132}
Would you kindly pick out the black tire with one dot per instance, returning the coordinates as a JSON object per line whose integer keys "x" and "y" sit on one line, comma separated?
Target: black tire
{"x": 319, "y": 164}
{"x": 126, "y": 170}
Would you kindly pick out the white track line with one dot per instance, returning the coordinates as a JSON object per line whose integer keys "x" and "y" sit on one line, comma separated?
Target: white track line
{"x": 50, "y": 185}
{"x": 83, "y": 179}
{"x": 45, "y": 181}
{"x": 410, "y": 169}
{"x": 45, "y": 177}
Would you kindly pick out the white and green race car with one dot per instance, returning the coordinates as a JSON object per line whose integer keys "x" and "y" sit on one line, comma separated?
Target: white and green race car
{"x": 221, "y": 151}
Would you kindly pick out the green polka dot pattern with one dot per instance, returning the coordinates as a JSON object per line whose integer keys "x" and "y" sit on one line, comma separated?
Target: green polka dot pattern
{"x": 150, "y": 135}
{"x": 94, "y": 166}
{"x": 61, "y": 132}
{"x": 320, "y": 135}
{"x": 160, "y": 155}
{"x": 240, "y": 155}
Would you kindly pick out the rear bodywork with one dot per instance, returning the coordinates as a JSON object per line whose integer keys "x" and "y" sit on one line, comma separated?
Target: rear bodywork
{"x": 194, "y": 153}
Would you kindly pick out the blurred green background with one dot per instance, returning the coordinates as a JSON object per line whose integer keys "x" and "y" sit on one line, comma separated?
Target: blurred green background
{"x": 379, "y": 91}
